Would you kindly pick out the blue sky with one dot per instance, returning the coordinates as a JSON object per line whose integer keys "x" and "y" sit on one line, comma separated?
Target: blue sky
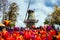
{"x": 42, "y": 9}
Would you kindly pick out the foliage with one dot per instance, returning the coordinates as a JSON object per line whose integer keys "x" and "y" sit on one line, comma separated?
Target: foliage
{"x": 55, "y": 17}
{"x": 12, "y": 14}
{"x": 46, "y": 21}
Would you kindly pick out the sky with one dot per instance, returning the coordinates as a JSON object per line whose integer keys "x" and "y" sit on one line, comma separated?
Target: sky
{"x": 42, "y": 9}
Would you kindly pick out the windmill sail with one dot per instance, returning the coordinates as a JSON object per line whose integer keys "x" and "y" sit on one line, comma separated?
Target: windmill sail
{"x": 27, "y": 8}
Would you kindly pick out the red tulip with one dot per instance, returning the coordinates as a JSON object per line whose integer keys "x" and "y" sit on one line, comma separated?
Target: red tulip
{"x": 42, "y": 32}
{"x": 27, "y": 35}
{"x": 0, "y": 33}
{"x": 10, "y": 38}
{"x": 49, "y": 37}
{"x": 37, "y": 37}
{"x": 52, "y": 32}
{"x": 43, "y": 37}
{"x": 1, "y": 38}
{"x": 5, "y": 34}
{"x": 14, "y": 33}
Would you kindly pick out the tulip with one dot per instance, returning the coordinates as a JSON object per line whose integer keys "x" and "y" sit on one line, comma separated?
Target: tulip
{"x": 10, "y": 38}
{"x": 27, "y": 35}
{"x": 19, "y": 37}
{"x": 43, "y": 37}
{"x": 52, "y": 32}
{"x": 42, "y": 32}
{"x": 37, "y": 37}
{"x": 1, "y": 38}
{"x": 58, "y": 37}
{"x": 49, "y": 37}
{"x": 5, "y": 33}
{"x": 7, "y": 22}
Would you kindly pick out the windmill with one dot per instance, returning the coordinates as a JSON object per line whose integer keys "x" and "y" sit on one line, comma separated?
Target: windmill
{"x": 30, "y": 21}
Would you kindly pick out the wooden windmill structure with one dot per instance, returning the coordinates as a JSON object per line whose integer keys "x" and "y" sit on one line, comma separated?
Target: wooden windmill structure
{"x": 30, "y": 21}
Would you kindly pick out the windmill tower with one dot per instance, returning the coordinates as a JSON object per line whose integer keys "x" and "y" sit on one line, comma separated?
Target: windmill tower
{"x": 30, "y": 21}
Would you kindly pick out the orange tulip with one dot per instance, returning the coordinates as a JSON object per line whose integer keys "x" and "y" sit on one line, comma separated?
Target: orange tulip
{"x": 58, "y": 37}
{"x": 15, "y": 33}
{"x": 19, "y": 37}
{"x": 7, "y": 22}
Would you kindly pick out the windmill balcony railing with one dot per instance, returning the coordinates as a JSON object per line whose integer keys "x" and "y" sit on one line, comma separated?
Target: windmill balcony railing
{"x": 32, "y": 21}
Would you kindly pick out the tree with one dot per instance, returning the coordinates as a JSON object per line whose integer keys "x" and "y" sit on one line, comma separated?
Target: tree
{"x": 3, "y": 7}
{"x": 12, "y": 14}
{"x": 55, "y": 17}
{"x": 46, "y": 21}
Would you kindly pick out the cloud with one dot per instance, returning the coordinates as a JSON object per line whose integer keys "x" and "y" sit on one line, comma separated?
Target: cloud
{"x": 51, "y": 3}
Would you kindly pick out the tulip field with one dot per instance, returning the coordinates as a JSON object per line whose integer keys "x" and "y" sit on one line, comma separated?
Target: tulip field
{"x": 42, "y": 33}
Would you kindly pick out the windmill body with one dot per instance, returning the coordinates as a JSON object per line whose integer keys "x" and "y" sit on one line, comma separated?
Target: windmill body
{"x": 30, "y": 21}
